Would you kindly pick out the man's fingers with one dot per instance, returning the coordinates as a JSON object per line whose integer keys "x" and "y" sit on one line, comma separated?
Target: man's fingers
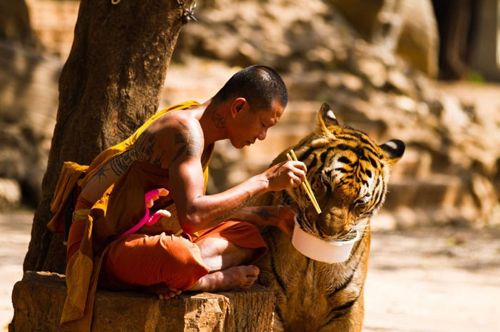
{"x": 157, "y": 215}
{"x": 162, "y": 192}
{"x": 298, "y": 168}
{"x": 295, "y": 181}
{"x": 298, "y": 165}
{"x": 164, "y": 213}
{"x": 155, "y": 194}
{"x": 151, "y": 196}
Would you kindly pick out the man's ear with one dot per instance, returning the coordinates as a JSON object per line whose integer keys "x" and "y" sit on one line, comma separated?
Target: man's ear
{"x": 238, "y": 105}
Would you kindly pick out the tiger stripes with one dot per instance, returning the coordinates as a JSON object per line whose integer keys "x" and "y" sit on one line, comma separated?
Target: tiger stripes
{"x": 348, "y": 173}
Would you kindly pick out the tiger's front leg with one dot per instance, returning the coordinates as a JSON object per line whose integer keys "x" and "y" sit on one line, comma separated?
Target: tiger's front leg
{"x": 349, "y": 321}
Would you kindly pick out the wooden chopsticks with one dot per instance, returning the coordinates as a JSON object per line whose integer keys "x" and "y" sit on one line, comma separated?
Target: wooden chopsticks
{"x": 305, "y": 185}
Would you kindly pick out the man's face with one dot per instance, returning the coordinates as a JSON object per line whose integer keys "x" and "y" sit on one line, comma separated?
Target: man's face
{"x": 251, "y": 125}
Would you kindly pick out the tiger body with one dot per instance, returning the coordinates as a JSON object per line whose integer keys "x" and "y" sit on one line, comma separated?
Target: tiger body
{"x": 348, "y": 174}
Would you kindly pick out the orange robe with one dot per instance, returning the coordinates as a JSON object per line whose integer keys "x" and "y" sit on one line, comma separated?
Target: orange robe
{"x": 139, "y": 259}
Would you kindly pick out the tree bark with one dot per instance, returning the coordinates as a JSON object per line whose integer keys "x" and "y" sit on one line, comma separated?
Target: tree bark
{"x": 108, "y": 87}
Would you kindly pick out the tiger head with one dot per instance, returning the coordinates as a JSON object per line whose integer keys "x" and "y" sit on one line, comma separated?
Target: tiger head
{"x": 348, "y": 174}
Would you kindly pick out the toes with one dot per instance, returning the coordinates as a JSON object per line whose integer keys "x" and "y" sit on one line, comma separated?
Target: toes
{"x": 253, "y": 271}
{"x": 166, "y": 294}
{"x": 248, "y": 283}
{"x": 169, "y": 295}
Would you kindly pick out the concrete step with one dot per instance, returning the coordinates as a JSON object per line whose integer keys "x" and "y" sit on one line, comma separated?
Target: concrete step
{"x": 39, "y": 297}
{"x": 409, "y": 217}
{"x": 414, "y": 164}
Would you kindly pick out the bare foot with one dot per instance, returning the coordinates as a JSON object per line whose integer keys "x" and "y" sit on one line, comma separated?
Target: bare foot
{"x": 231, "y": 278}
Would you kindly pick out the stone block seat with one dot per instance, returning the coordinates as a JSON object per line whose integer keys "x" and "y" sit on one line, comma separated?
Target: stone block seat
{"x": 38, "y": 299}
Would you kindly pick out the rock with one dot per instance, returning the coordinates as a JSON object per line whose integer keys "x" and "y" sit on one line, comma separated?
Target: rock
{"x": 401, "y": 83}
{"x": 10, "y": 194}
{"x": 373, "y": 70}
{"x": 285, "y": 26}
{"x": 406, "y": 27}
{"x": 39, "y": 297}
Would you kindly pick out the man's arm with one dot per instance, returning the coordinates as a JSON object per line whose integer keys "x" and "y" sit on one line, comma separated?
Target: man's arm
{"x": 112, "y": 170}
{"x": 281, "y": 216}
{"x": 197, "y": 211}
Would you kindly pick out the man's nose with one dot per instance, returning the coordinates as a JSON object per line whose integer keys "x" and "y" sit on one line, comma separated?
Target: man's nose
{"x": 262, "y": 135}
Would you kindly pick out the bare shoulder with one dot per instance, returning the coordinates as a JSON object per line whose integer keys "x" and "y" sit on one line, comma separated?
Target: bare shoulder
{"x": 172, "y": 137}
{"x": 187, "y": 137}
{"x": 169, "y": 139}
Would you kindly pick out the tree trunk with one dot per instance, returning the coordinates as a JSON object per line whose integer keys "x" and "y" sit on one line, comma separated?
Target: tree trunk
{"x": 108, "y": 87}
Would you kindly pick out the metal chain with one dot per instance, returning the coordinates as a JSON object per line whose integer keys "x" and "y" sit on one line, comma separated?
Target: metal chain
{"x": 187, "y": 12}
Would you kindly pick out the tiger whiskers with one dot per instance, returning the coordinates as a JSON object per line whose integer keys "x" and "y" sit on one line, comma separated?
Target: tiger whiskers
{"x": 361, "y": 225}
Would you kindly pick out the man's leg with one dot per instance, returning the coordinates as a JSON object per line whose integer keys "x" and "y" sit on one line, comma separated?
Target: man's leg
{"x": 167, "y": 264}
{"x": 227, "y": 250}
{"x": 227, "y": 270}
{"x": 226, "y": 262}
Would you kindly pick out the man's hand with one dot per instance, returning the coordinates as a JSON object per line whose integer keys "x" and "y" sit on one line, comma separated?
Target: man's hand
{"x": 151, "y": 196}
{"x": 286, "y": 219}
{"x": 287, "y": 174}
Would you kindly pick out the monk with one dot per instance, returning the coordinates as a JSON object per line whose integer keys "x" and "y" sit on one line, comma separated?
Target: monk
{"x": 219, "y": 240}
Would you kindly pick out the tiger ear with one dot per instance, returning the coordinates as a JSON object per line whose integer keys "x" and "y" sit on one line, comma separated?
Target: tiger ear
{"x": 327, "y": 120}
{"x": 393, "y": 150}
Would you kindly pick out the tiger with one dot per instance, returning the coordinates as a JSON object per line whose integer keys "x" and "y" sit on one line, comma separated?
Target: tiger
{"x": 348, "y": 174}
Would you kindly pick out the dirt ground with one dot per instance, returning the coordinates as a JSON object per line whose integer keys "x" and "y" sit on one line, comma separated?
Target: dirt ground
{"x": 425, "y": 280}
{"x": 434, "y": 279}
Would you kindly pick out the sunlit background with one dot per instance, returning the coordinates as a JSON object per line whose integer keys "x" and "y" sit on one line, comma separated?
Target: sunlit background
{"x": 426, "y": 72}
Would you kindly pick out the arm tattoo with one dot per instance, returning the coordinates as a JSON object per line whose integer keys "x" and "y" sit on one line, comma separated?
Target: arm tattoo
{"x": 265, "y": 214}
{"x": 230, "y": 212}
{"x": 227, "y": 214}
{"x": 142, "y": 149}
{"x": 120, "y": 163}
{"x": 188, "y": 142}
{"x": 101, "y": 173}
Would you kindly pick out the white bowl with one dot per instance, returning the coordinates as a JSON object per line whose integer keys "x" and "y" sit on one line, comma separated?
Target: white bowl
{"x": 335, "y": 251}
